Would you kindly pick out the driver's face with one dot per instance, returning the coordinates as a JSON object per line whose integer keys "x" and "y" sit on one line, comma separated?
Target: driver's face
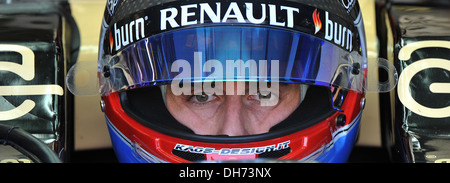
{"x": 233, "y": 115}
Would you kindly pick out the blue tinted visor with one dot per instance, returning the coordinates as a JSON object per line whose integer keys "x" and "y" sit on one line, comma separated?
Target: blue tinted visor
{"x": 231, "y": 53}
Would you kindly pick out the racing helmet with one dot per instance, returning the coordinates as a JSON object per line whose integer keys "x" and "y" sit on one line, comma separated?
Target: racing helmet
{"x": 147, "y": 47}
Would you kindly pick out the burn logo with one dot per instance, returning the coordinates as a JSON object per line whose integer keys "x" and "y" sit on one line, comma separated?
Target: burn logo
{"x": 123, "y": 35}
{"x": 338, "y": 34}
{"x": 317, "y": 22}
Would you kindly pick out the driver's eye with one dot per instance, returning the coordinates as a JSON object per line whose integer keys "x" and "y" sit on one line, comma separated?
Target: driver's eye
{"x": 262, "y": 96}
{"x": 202, "y": 98}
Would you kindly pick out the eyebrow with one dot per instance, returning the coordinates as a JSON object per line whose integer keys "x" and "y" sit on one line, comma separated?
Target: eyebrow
{"x": 193, "y": 86}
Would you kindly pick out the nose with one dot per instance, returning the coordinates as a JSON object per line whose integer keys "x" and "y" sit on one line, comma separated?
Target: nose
{"x": 233, "y": 121}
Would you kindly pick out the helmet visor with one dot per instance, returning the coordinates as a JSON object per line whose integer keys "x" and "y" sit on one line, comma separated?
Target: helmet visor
{"x": 231, "y": 53}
